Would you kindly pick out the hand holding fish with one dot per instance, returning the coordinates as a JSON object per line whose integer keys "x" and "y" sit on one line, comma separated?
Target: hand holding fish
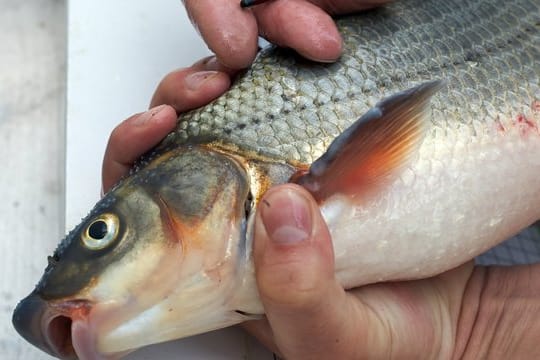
{"x": 413, "y": 180}
{"x": 182, "y": 90}
{"x": 307, "y": 311}
{"x": 306, "y": 26}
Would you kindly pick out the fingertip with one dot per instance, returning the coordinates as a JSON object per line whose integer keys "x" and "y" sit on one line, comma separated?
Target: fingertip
{"x": 237, "y": 53}
{"x": 138, "y": 134}
{"x": 211, "y": 63}
{"x": 189, "y": 88}
{"x": 322, "y": 46}
{"x": 161, "y": 115}
{"x": 131, "y": 139}
{"x": 292, "y": 250}
{"x": 228, "y": 30}
{"x": 166, "y": 120}
{"x": 233, "y": 42}
{"x": 302, "y": 26}
{"x": 286, "y": 214}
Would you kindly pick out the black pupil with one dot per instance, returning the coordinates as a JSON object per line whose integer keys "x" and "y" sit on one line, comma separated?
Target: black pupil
{"x": 98, "y": 230}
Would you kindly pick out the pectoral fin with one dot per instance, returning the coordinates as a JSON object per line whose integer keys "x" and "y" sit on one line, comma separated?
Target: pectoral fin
{"x": 368, "y": 153}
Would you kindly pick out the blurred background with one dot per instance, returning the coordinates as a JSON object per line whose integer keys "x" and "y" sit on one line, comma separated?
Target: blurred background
{"x": 32, "y": 108}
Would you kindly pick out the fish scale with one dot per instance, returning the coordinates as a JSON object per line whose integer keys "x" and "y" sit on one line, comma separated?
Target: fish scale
{"x": 487, "y": 51}
{"x": 423, "y": 147}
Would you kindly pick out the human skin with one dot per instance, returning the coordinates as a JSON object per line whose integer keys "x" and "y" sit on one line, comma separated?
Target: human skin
{"x": 306, "y": 26}
{"x": 468, "y": 312}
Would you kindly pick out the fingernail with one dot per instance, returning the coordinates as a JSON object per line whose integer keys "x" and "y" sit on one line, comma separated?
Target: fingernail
{"x": 286, "y": 216}
{"x": 211, "y": 64}
{"x": 329, "y": 49}
{"x": 148, "y": 115}
{"x": 195, "y": 80}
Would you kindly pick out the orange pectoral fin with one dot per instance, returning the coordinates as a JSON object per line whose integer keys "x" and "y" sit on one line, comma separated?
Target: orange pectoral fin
{"x": 368, "y": 153}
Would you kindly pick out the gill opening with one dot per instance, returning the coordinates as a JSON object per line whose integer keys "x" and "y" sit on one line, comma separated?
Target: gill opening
{"x": 168, "y": 221}
{"x": 58, "y": 335}
{"x": 248, "y": 205}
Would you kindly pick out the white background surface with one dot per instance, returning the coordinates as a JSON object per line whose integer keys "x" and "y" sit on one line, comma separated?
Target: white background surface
{"x": 117, "y": 53}
{"x": 32, "y": 84}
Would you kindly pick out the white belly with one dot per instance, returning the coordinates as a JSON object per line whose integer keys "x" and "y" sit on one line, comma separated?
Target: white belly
{"x": 461, "y": 194}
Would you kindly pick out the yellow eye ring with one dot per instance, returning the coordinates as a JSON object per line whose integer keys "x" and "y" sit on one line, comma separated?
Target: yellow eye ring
{"x": 101, "y": 232}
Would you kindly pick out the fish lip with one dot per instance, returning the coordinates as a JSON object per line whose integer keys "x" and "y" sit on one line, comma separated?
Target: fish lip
{"x": 49, "y": 326}
{"x": 28, "y": 319}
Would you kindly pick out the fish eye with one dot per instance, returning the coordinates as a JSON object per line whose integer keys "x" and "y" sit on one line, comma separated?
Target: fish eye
{"x": 101, "y": 232}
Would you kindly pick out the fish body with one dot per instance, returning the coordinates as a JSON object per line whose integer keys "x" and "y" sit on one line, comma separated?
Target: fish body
{"x": 442, "y": 165}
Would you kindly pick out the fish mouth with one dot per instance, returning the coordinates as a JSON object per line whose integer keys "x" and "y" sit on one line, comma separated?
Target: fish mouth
{"x": 60, "y": 329}
{"x": 58, "y": 337}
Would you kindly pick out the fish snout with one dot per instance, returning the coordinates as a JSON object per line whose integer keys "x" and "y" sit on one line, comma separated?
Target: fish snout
{"x": 48, "y": 327}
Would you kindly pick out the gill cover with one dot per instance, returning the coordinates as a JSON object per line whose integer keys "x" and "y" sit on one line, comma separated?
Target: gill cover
{"x": 165, "y": 238}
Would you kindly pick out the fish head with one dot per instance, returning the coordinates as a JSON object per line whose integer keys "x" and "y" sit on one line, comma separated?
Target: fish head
{"x": 160, "y": 257}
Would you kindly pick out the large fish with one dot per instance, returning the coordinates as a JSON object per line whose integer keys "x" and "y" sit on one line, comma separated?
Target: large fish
{"x": 443, "y": 163}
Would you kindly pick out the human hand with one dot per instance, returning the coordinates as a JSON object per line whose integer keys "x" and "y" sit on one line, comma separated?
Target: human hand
{"x": 308, "y": 311}
{"x": 306, "y": 26}
{"x": 467, "y": 312}
{"x": 179, "y": 91}
{"x": 309, "y": 315}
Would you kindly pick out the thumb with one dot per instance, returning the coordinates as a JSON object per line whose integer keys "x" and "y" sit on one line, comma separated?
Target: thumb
{"x": 309, "y": 313}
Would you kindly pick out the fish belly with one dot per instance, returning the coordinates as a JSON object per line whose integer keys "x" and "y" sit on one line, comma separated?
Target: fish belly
{"x": 465, "y": 191}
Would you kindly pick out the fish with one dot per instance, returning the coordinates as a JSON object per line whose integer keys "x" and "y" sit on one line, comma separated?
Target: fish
{"x": 421, "y": 146}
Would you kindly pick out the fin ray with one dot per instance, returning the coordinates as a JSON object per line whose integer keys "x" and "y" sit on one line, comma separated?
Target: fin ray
{"x": 374, "y": 147}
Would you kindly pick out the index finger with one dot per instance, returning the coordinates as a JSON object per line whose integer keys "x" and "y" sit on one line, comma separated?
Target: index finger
{"x": 228, "y": 30}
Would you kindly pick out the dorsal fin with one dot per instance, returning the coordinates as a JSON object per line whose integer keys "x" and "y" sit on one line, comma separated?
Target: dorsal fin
{"x": 369, "y": 151}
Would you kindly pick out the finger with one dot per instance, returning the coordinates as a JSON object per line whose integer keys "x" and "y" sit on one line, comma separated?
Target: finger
{"x": 307, "y": 309}
{"x": 132, "y": 138}
{"x": 189, "y": 88}
{"x": 212, "y": 63}
{"x": 228, "y": 30}
{"x": 310, "y": 314}
{"x": 300, "y": 25}
{"x": 184, "y": 89}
